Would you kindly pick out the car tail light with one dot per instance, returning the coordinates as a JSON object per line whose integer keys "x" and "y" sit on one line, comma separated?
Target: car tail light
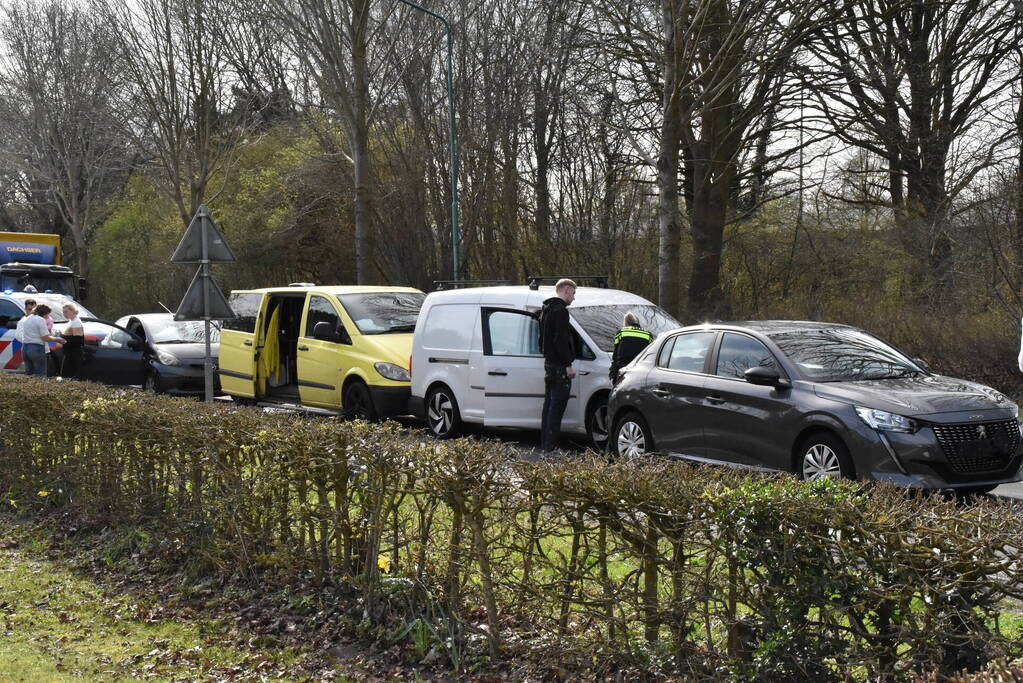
{"x": 410, "y": 365}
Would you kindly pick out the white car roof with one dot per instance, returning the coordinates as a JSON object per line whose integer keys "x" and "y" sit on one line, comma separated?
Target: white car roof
{"x": 48, "y": 297}
{"x": 522, "y": 295}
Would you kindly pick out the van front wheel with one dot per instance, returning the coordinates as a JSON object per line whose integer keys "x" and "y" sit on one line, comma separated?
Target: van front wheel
{"x": 358, "y": 404}
{"x": 442, "y": 414}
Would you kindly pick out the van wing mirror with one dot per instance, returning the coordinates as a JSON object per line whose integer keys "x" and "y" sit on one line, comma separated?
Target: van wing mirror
{"x": 766, "y": 376}
{"x": 324, "y": 331}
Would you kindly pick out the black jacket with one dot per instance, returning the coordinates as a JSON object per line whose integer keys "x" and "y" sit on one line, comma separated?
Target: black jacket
{"x": 556, "y": 333}
{"x": 628, "y": 344}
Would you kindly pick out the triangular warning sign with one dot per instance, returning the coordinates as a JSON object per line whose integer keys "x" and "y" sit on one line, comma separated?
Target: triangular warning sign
{"x": 202, "y": 229}
{"x": 193, "y": 304}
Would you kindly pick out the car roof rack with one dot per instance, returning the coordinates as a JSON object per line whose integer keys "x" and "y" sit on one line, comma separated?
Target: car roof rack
{"x": 440, "y": 285}
{"x": 598, "y": 280}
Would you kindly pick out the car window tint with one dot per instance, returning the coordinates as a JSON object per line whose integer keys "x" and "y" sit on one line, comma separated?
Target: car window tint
{"x": 665, "y": 354}
{"x": 513, "y": 334}
{"x": 246, "y": 307}
{"x": 321, "y": 311}
{"x": 10, "y": 310}
{"x": 690, "y": 351}
{"x": 739, "y": 353}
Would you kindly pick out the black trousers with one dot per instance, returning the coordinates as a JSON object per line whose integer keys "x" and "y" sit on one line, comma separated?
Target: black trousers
{"x": 73, "y": 349}
{"x": 557, "y": 389}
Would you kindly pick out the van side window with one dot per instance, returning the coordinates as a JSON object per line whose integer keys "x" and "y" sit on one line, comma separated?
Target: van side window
{"x": 321, "y": 311}
{"x": 246, "y": 306}
{"x": 510, "y": 333}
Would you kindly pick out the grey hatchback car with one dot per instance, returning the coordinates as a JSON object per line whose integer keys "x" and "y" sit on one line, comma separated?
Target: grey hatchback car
{"x": 816, "y": 399}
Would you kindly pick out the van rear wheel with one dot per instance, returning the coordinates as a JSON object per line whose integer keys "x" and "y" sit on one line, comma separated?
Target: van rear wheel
{"x": 442, "y": 415}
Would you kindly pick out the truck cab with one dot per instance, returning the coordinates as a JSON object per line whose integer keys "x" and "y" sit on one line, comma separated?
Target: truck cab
{"x": 44, "y": 277}
{"x": 34, "y": 259}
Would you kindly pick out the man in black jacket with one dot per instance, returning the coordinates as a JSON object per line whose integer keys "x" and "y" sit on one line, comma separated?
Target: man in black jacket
{"x": 558, "y": 348}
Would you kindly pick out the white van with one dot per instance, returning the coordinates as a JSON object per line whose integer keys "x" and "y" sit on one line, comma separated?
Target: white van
{"x": 476, "y": 357}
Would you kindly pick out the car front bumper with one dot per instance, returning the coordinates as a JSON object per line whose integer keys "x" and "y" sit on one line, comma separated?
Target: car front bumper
{"x": 919, "y": 460}
{"x": 184, "y": 380}
{"x": 390, "y": 401}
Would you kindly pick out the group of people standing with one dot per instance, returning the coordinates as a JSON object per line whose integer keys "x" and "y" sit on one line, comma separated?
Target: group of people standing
{"x": 35, "y": 332}
{"x": 559, "y": 351}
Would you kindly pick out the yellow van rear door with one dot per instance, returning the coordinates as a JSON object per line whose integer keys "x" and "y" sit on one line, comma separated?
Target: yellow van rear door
{"x": 237, "y": 356}
{"x": 320, "y": 360}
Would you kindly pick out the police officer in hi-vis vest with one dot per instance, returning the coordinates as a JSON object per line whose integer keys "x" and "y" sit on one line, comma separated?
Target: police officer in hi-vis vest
{"x": 628, "y": 343}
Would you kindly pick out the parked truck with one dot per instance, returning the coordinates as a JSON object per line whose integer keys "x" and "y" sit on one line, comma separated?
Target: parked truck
{"x": 31, "y": 258}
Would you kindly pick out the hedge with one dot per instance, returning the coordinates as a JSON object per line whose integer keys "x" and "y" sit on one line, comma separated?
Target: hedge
{"x": 648, "y": 569}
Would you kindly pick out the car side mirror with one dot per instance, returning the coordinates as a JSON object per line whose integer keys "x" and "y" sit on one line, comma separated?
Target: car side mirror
{"x": 324, "y": 331}
{"x": 923, "y": 364}
{"x": 766, "y": 376}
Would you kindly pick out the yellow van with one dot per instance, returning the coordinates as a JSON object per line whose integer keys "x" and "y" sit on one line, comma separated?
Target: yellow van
{"x": 344, "y": 348}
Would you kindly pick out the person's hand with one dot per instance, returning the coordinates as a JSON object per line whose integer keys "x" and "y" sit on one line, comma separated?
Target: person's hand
{"x": 570, "y": 371}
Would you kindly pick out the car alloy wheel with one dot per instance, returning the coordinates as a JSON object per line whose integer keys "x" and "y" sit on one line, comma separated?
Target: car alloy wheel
{"x": 824, "y": 456}
{"x": 442, "y": 414}
{"x": 149, "y": 384}
{"x": 632, "y": 437}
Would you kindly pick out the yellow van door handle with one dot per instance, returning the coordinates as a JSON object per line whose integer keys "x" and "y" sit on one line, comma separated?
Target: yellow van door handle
{"x": 303, "y": 348}
{"x": 247, "y": 343}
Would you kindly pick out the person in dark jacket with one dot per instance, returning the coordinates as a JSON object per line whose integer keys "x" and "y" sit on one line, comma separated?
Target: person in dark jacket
{"x": 629, "y": 341}
{"x": 558, "y": 348}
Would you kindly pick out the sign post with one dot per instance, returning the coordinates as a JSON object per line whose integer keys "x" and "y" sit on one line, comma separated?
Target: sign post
{"x": 204, "y": 244}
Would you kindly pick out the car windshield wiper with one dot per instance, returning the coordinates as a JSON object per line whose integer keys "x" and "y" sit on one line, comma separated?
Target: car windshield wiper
{"x": 403, "y": 328}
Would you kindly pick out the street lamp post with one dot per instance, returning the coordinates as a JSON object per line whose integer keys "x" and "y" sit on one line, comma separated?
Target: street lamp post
{"x": 452, "y": 144}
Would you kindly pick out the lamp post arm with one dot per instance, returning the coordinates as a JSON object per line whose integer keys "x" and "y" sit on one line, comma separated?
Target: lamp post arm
{"x": 452, "y": 142}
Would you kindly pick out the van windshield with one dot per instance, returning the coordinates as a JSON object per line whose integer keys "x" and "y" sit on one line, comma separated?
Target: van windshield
{"x": 384, "y": 312}
{"x": 602, "y": 323}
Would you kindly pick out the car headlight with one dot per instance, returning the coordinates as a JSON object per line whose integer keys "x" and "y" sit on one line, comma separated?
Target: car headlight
{"x": 885, "y": 421}
{"x": 392, "y": 371}
{"x": 167, "y": 358}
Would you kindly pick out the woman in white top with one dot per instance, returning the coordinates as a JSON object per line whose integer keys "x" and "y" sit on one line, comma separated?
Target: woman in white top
{"x": 35, "y": 338}
{"x": 74, "y": 342}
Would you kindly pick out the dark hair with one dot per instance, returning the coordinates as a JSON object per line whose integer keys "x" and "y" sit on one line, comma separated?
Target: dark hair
{"x": 30, "y": 302}
{"x": 42, "y": 309}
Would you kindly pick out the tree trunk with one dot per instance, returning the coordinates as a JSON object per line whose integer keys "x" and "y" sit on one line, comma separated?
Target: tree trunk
{"x": 360, "y": 140}
{"x": 541, "y": 148}
{"x": 667, "y": 170}
{"x": 709, "y": 214}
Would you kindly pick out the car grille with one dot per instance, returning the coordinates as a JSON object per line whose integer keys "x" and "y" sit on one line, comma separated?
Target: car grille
{"x": 980, "y": 446}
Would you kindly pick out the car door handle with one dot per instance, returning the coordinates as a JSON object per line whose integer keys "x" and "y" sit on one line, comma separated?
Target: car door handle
{"x": 303, "y": 348}
{"x": 498, "y": 373}
{"x": 660, "y": 392}
{"x": 715, "y": 400}
{"x": 583, "y": 372}
{"x": 246, "y": 343}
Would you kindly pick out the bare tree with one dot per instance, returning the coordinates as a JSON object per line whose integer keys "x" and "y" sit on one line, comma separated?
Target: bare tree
{"x": 174, "y": 56}
{"x": 343, "y": 45}
{"x": 60, "y": 93}
{"x": 908, "y": 80}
